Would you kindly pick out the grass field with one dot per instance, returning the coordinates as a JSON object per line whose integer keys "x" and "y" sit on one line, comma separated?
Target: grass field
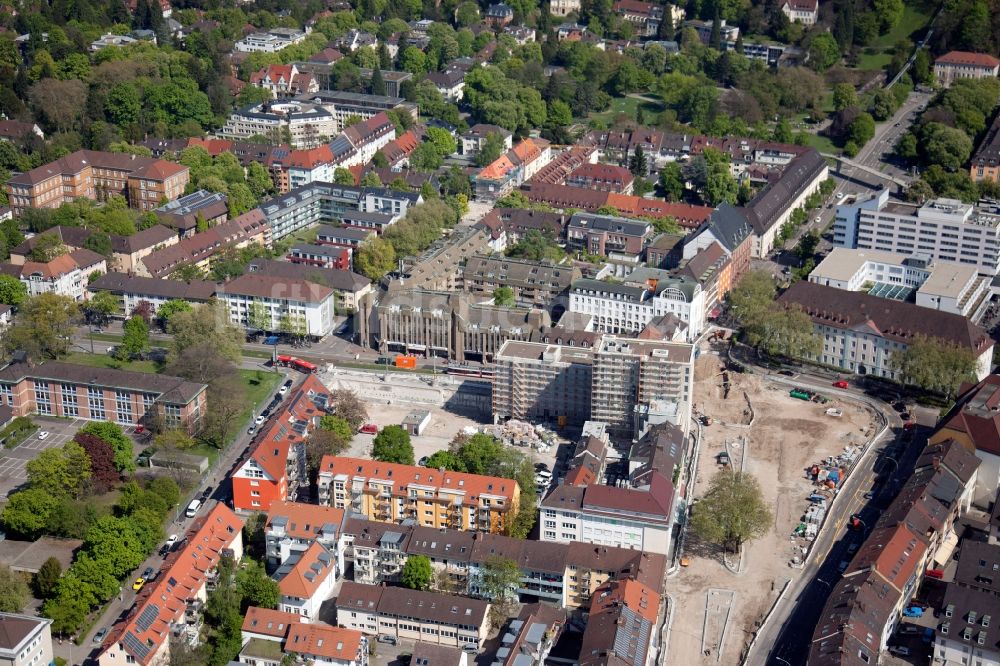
{"x": 627, "y": 106}
{"x": 916, "y": 16}
{"x": 98, "y": 360}
{"x": 821, "y": 143}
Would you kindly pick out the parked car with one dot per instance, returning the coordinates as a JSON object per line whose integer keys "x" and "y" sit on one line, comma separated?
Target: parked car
{"x": 100, "y": 635}
{"x": 369, "y": 429}
{"x": 901, "y": 650}
{"x": 149, "y": 573}
{"x": 137, "y": 585}
{"x": 842, "y": 567}
{"x": 423, "y": 461}
{"x": 283, "y": 390}
{"x": 260, "y": 419}
{"x": 841, "y": 384}
{"x": 207, "y": 493}
{"x": 43, "y": 434}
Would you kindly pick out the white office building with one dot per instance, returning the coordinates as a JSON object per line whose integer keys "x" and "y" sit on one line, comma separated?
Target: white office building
{"x": 944, "y": 229}
{"x": 646, "y": 294}
{"x": 271, "y": 41}
{"x": 308, "y": 125}
{"x": 306, "y": 308}
{"x": 941, "y": 285}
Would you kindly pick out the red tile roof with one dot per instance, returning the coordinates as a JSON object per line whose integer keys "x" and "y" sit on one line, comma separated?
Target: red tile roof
{"x": 305, "y": 520}
{"x": 148, "y": 624}
{"x": 269, "y": 622}
{"x": 310, "y": 159}
{"x": 967, "y": 58}
{"x": 322, "y": 640}
{"x": 308, "y": 573}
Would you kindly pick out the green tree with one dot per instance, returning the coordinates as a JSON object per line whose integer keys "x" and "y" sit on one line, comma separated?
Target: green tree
{"x": 392, "y": 444}
{"x": 788, "y": 333}
{"x": 205, "y": 325}
{"x": 12, "y": 291}
{"x": 60, "y": 472}
{"x": 43, "y": 326}
{"x": 945, "y": 145}
{"x": 499, "y": 580}
{"x": 255, "y": 586}
{"x": 844, "y": 96}
{"x": 14, "y": 592}
{"x": 491, "y": 148}
{"x": 135, "y": 339}
{"x": 47, "y": 578}
{"x": 166, "y": 489}
{"x": 824, "y": 52}
{"x": 752, "y": 297}
{"x": 720, "y": 185}
{"x": 120, "y": 443}
{"x": 259, "y": 317}
{"x": 338, "y": 425}
{"x": 672, "y": 181}
{"x": 27, "y": 512}
{"x": 170, "y": 308}
{"x": 638, "y": 165}
{"x": 934, "y": 365}
{"x": 732, "y": 512}
{"x": 375, "y": 258}
{"x": 503, "y": 297}
{"x": 377, "y": 82}
{"x": 445, "y": 460}
{"x": 861, "y": 129}
{"x": 417, "y": 573}
{"x": 343, "y": 176}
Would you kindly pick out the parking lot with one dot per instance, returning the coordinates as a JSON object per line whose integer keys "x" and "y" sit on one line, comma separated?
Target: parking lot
{"x": 14, "y": 461}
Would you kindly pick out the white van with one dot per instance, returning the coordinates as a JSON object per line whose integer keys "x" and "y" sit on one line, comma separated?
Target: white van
{"x": 193, "y": 507}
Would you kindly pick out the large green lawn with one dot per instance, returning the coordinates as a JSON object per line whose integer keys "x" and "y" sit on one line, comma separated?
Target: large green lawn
{"x": 627, "y": 106}
{"x": 99, "y": 360}
{"x": 916, "y": 16}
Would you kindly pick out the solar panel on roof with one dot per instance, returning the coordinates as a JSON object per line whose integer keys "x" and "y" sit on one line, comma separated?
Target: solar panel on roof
{"x": 137, "y": 648}
{"x": 147, "y": 617}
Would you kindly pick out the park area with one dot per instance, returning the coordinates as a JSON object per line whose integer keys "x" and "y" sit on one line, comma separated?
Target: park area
{"x": 776, "y": 438}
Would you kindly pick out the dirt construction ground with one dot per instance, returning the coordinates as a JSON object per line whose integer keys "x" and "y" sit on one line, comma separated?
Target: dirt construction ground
{"x": 787, "y": 436}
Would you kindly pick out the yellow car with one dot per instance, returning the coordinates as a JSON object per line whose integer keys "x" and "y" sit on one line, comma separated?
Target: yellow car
{"x": 137, "y": 585}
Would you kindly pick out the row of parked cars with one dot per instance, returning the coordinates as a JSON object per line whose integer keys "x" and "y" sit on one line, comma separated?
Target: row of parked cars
{"x": 275, "y": 401}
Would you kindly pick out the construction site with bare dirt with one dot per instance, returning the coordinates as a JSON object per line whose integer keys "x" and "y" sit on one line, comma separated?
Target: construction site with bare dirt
{"x": 799, "y": 445}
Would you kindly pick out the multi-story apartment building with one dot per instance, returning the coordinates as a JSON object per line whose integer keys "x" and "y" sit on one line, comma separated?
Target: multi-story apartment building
{"x": 304, "y": 125}
{"x": 129, "y": 251}
{"x": 985, "y": 162}
{"x": 350, "y": 289}
{"x": 606, "y": 177}
{"x": 645, "y": 295}
{"x": 542, "y": 382}
{"x": 25, "y": 640}
{"x": 326, "y": 202}
{"x": 131, "y": 290}
{"x": 628, "y": 381}
{"x": 173, "y": 602}
{"x": 279, "y": 304}
{"x": 563, "y": 574}
{"x": 128, "y": 398}
{"x": 65, "y": 275}
{"x": 358, "y": 143}
{"x": 346, "y": 106}
{"x": 392, "y": 493}
{"x": 801, "y": 11}
{"x": 439, "y": 267}
{"x": 540, "y": 284}
{"x": 306, "y": 579}
{"x": 941, "y": 285}
{"x": 605, "y": 235}
{"x": 202, "y": 250}
{"x": 944, "y": 229}
{"x": 378, "y": 550}
{"x": 294, "y": 526}
{"x": 956, "y": 65}
{"x": 564, "y": 7}
{"x": 512, "y": 168}
{"x": 183, "y": 214}
{"x": 271, "y": 41}
{"x": 637, "y": 515}
{"x": 412, "y": 614}
{"x": 323, "y": 256}
{"x": 284, "y": 80}
{"x": 862, "y": 332}
{"x": 96, "y": 175}
{"x": 470, "y": 143}
{"x": 646, "y": 17}
{"x": 639, "y": 381}
{"x": 277, "y": 463}
{"x": 450, "y": 325}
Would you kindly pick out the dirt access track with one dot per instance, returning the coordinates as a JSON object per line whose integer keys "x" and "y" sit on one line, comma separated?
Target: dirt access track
{"x": 786, "y": 437}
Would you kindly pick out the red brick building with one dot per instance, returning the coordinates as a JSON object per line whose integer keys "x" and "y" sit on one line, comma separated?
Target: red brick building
{"x": 102, "y": 394}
